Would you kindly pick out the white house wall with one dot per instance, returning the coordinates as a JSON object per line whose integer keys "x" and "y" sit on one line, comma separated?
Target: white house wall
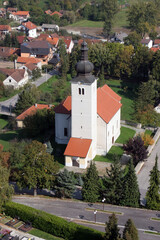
{"x": 32, "y": 33}
{"x": 62, "y": 121}
{"x": 9, "y": 81}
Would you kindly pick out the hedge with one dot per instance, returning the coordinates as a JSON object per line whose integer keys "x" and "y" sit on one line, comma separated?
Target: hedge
{"x": 51, "y": 224}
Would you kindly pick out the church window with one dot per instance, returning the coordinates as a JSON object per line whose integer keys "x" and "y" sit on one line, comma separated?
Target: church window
{"x": 81, "y": 127}
{"x": 82, "y": 91}
{"x": 79, "y": 91}
{"x": 65, "y": 132}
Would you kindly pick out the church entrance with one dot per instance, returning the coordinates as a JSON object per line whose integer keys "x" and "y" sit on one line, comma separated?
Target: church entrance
{"x": 75, "y": 161}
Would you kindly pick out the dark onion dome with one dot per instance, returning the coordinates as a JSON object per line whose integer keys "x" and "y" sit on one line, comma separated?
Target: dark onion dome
{"x": 84, "y": 67}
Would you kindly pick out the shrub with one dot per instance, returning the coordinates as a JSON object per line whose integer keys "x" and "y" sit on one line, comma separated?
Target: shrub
{"x": 147, "y": 139}
{"x": 51, "y": 224}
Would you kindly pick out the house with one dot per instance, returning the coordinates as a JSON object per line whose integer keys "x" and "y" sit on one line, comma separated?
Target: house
{"x": 41, "y": 50}
{"x": 26, "y": 60}
{"x": 2, "y": 12}
{"x": 20, "y": 16}
{"x": 119, "y": 37}
{"x": 29, "y": 67}
{"x": 21, "y": 39}
{"x": 50, "y": 27}
{"x": 49, "y": 12}
{"x": 4, "y": 29}
{"x": 16, "y": 78}
{"x": 88, "y": 121}
{"x": 29, "y": 112}
{"x": 147, "y": 42}
{"x": 30, "y": 29}
{"x": 69, "y": 44}
{"x": 11, "y": 10}
{"x": 7, "y": 52}
{"x": 157, "y": 42}
{"x": 56, "y": 13}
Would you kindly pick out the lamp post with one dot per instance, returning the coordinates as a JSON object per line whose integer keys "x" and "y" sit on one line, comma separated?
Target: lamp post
{"x": 103, "y": 200}
{"x": 95, "y": 212}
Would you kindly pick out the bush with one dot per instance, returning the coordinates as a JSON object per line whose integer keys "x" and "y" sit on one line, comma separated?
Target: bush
{"x": 147, "y": 139}
{"x": 51, "y": 224}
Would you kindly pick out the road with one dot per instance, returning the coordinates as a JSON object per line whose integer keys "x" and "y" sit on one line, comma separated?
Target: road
{"x": 7, "y": 104}
{"x": 143, "y": 176}
{"x": 76, "y": 211}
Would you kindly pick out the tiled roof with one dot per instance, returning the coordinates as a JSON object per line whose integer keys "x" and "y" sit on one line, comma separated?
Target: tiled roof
{"x": 78, "y": 147}
{"x": 20, "y": 39}
{"x": 32, "y": 110}
{"x": 156, "y": 41}
{"x": 58, "y": 13}
{"x": 155, "y": 49}
{"x": 64, "y": 107}
{"x": 30, "y": 66}
{"x": 43, "y": 36}
{"x": 67, "y": 42}
{"x": 22, "y": 13}
{"x": 54, "y": 35}
{"x": 7, "y": 51}
{"x": 145, "y": 41}
{"x": 29, "y": 25}
{"x": 28, "y": 60}
{"x": 16, "y": 74}
{"x": 108, "y": 103}
{"x": 53, "y": 41}
{"x": 5, "y": 28}
{"x": 48, "y": 11}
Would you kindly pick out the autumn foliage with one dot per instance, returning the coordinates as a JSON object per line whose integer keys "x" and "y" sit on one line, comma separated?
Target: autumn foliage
{"x": 147, "y": 139}
{"x": 4, "y": 157}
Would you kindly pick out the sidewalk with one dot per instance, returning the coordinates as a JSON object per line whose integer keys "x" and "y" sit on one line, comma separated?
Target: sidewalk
{"x": 18, "y": 233}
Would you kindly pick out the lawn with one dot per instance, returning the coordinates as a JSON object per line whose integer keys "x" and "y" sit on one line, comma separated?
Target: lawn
{"x": 126, "y": 134}
{"x": 3, "y": 123}
{"x": 149, "y": 132}
{"x": 5, "y": 138}
{"x": 115, "y": 150}
{"x": 47, "y": 86}
{"x": 121, "y": 19}
{"x": 44, "y": 235}
{"x": 88, "y": 23}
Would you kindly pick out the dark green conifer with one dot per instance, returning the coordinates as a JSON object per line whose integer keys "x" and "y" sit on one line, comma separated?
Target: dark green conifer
{"x": 90, "y": 190}
{"x": 130, "y": 232}
{"x": 152, "y": 195}
{"x": 111, "y": 229}
{"x": 131, "y": 194}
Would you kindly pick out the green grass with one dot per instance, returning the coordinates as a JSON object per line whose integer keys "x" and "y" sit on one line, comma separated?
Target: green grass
{"x": 155, "y": 233}
{"x": 104, "y": 211}
{"x": 110, "y": 155}
{"x": 41, "y": 234}
{"x": 3, "y": 123}
{"x": 126, "y": 134}
{"x": 149, "y": 132}
{"x": 5, "y": 138}
{"x": 121, "y": 19}
{"x": 88, "y": 23}
{"x": 155, "y": 219}
{"x": 47, "y": 86}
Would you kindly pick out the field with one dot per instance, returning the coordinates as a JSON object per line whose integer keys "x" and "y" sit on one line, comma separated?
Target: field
{"x": 5, "y": 138}
{"x": 115, "y": 150}
{"x": 126, "y": 134}
{"x": 3, "y": 123}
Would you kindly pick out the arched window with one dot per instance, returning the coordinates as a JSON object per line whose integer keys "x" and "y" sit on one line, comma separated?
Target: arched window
{"x": 79, "y": 91}
{"x": 82, "y": 91}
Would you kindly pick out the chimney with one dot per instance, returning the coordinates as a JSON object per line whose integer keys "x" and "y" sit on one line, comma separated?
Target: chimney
{"x": 35, "y": 104}
{"x": 15, "y": 64}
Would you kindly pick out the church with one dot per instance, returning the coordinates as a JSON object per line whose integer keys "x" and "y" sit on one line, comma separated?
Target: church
{"x": 88, "y": 121}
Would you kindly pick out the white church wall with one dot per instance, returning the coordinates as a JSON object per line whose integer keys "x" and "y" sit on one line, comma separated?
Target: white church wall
{"x": 113, "y": 130}
{"x": 101, "y": 136}
{"x": 62, "y": 122}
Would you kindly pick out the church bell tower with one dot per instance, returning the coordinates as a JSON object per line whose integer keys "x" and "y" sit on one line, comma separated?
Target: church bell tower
{"x": 84, "y": 101}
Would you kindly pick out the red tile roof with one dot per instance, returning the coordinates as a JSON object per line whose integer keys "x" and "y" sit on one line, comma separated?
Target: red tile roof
{"x": 48, "y": 11}
{"x": 32, "y": 110}
{"x": 28, "y": 60}
{"x": 108, "y": 103}
{"x": 7, "y": 51}
{"x": 155, "y": 49}
{"x": 30, "y": 66}
{"x": 78, "y": 147}
{"x": 16, "y": 74}
{"x": 58, "y": 13}
{"x": 5, "y": 28}
{"x": 64, "y": 107}
{"x": 53, "y": 41}
{"x": 22, "y": 13}
{"x": 20, "y": 39}
{"x": 29, "y": 25}
{"x": 156, "y": 41}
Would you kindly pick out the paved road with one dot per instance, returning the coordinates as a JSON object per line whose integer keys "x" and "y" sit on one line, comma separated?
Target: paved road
{"x": 143, "y": 176}
{"x": 74, "y": 211}
{"x": 6, "y": 105}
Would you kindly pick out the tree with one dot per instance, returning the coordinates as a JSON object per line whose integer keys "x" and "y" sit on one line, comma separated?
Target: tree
{"x": 4, "y": 157}
{"x": 36, "y": 73}
{"x": 152, "y": 195}
{"x": 131, "y": 194}
{"x": 38, "y": 169}
{"x": 111, "y": 229}
{"x": 135, "y": 147}
{"x": 6, "y": 190}
{"x": 110, "y": 8}
{"x": 133, "y": 39}
{"x": 74, "y": 58}
{"x": 65, "y": 184}
{"x": 112, "y": 183}
{"x": 64, "y": 60}
{"x": 90, "y": 189}
{"x": 130, "y": 232}
{"x": 29, "y": 95}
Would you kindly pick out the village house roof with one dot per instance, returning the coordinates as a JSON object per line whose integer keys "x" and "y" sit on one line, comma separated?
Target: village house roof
{"x": 29, "y": 25}
{"x": 45, "y": 25}
{"x": 108, "y": 103}
{"x": 78, "y": 147}
{"x": 32, "y": 110}
{"x": 21, "y": 13}
{"x": 36, "y": 47}
{"x": 5, "y": 28}
{"x": 156, "y": 41}
{"x": 155, "y": 49}
{"x": 48, "y": 12}
{"x": 53, "y": 41}
{"x": 16, "y": 74}
{"x": 30, "y": 66}
{"x": 58, "y": 13}
{"x": 7, "y": 51}
{"x": 10, "y": 9}
{"x": 28, "y": 60}
{"x": 145, "y": 40}
{"x": 21, "y": 39}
